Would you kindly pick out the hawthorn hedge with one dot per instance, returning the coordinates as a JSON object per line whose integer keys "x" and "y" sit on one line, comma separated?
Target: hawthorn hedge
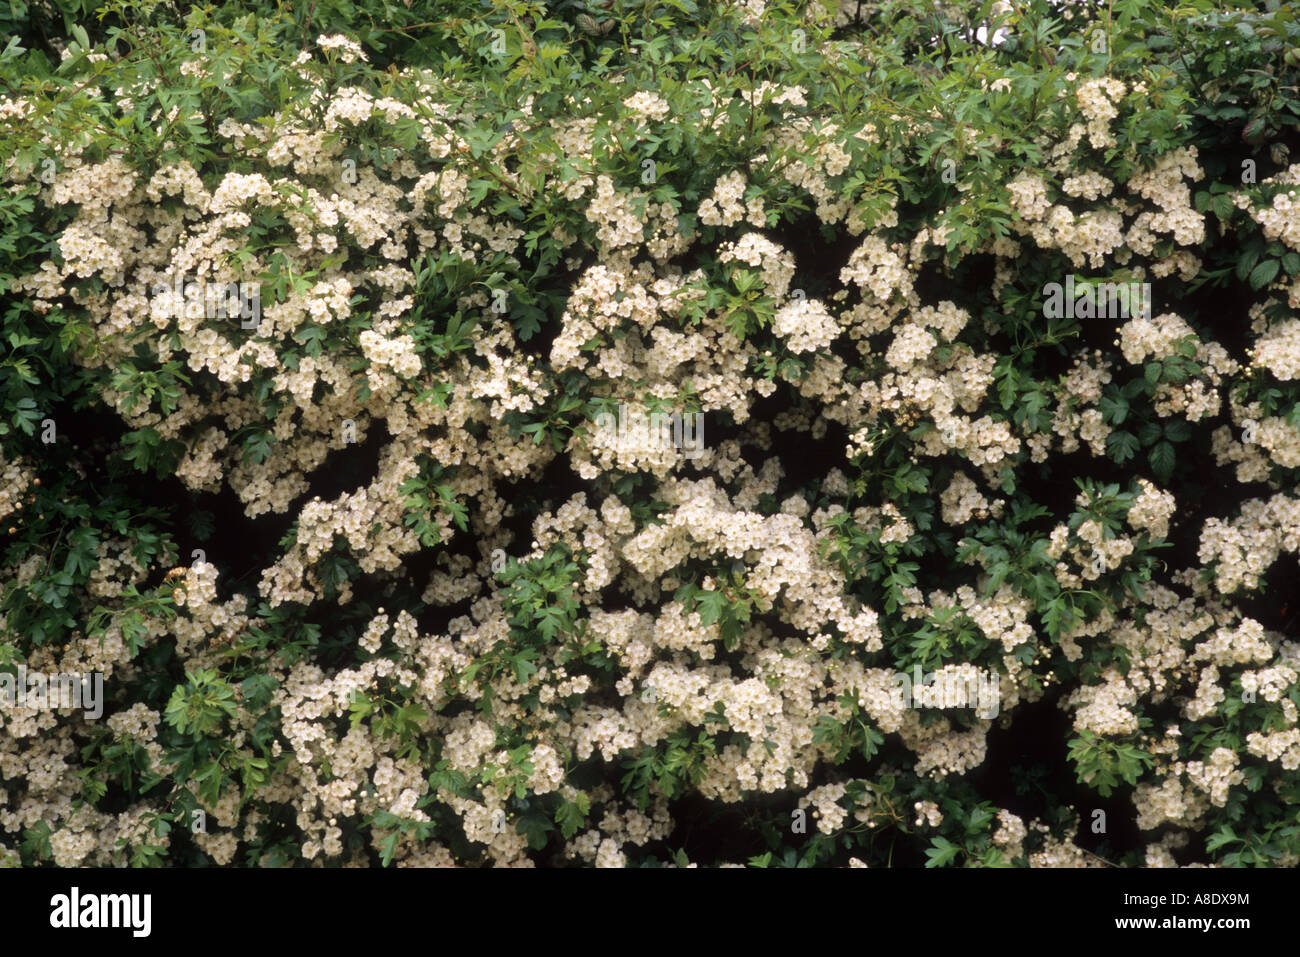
{"x": 649, "y": 434}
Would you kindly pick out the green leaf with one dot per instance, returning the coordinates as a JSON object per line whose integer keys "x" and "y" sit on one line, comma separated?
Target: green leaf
{"x": 1221, "y": 838}
{"x": 572, "y": 815}
{"x": 1121, "y": 446}
{"x": 941, "y": 852}
{"x": 536, "y": 828}
{"x": 1178, "y": 430}
{"x": 1264, "y": 273}
{"x": 1162, "y": 461}
{"x": 1113, "y": 408}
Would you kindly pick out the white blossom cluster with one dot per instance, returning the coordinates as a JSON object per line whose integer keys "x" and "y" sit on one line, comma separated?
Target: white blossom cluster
{"x": 353, "y": 349}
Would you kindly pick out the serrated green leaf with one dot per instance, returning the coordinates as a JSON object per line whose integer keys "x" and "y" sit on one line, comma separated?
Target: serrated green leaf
{"x": 1264, "y": 273}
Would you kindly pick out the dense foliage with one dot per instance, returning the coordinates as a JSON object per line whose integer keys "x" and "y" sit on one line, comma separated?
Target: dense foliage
{"x": 313, "y": 318}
